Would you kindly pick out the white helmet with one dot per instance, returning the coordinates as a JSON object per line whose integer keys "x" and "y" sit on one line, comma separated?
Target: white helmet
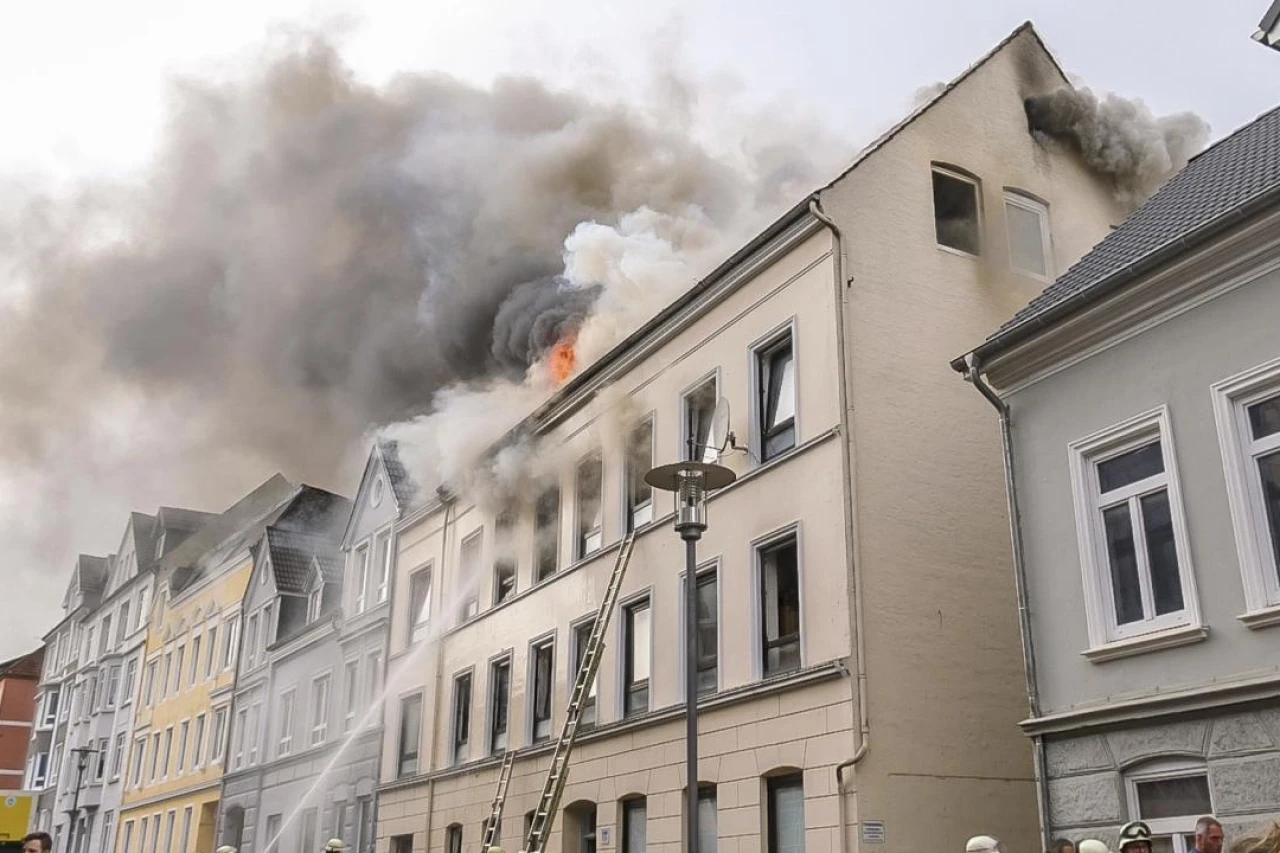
{"x": 1091, "y": 845}
{"x": 226, "y": 848}
{"x": 334, "y": 845}
{"x": 982, "y": 844}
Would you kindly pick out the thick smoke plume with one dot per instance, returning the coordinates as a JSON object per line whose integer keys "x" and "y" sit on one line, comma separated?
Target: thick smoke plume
{"x": 1120, "y": 137}
{"x": 310, "y": 257}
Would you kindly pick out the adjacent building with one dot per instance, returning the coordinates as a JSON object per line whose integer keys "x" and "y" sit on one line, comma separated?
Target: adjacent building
{"x": 19, "y": 685}
{"x": 1140, "y": 393}
{"x": 1268, "y": 31}
{"x": 860, "y": 667}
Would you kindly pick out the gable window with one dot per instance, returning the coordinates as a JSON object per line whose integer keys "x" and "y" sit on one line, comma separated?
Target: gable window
{"x": 581, "y": 638}
{"x": 775, "y": 369}
{"x": 786, "y": 814}
{"x": 955, "y": 212}
{"x": 1170, "y": 796}
{"x": 547, "y": 533}
{"x": 634, "y": 817}
{"x": 319, "y": 710}
{"x": 469, "y": 565}
{"x": 1247, "y": 408}
{"x": 419, "y": 605}
{"x": 287, "y": 703}
{"x": 543, "y": 673}
{"x": 410, "y": 735}
{"x": 504, "y": 563}
{"x": 780, "y": 606}
{"x": 639, "y": 461}
{"x": 499, "y": 704}
{"x": 590, "y": 510}
{"x": 698, "y": 409}
{"x": 1129, "y": 518}
{"x": 382, "y": 567}
{"x": 315, "y": 599}
{"x": 361, "y": 571}
{"x": 1027, "y": 221}
{"x": 461, "y": 717}
{"x": 636, "y": 649}
{"x": 707, "y": 614}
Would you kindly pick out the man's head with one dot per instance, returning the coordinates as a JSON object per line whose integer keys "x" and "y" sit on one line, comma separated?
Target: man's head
{"x": 1208, "y": 835}
{"x": 1135, "y": 837}
{"x": 335, "y": 845}
{"x": 37, "y": 842}
{"x": 1062, "y": 845}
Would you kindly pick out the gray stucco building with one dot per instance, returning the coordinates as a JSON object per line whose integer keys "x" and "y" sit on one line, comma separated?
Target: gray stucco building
{"x": 1141, "y": 407}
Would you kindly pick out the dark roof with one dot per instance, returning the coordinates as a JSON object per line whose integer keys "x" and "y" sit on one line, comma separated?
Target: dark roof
{"x": 91, "y": 573}
{"x": 27, "y": 667}
{"x": 1228, "y": 181}
{"x": 1267, "y": 24}
{"x": 330, "y": 567}
{"x": 402, "y": 484}
{"x": 291, "y": 555}
{"x": 310, "y": 527}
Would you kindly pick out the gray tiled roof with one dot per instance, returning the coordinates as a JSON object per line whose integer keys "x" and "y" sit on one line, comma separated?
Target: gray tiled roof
{"x": 330, "y": 567}
{"x": 1220, "y": 180}
{"x": 311, "y": 527}
{"x": 401, "y": 483}
{"x": 291, "y": 555}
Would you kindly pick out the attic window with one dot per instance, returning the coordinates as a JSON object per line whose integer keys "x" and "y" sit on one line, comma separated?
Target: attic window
{"x": 375, "y": 497}
{"x": 955, "y": 212}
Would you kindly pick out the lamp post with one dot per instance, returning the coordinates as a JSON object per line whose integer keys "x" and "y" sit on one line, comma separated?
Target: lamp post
{"x": 82, "y": 754}
{"x": 690, "y": 481}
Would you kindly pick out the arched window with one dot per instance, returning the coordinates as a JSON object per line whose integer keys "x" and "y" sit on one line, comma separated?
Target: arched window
{"x": 1170, "y": 795}
{"x": 453, "y": 838}
{"x": 580, "y": 827}
{"x": 784, "y": 811}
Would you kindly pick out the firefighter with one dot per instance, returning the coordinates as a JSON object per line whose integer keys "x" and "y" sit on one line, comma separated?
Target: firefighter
{"x": 334, "y": 845}
{"x": 1091, "y": 845}
{"x": 982, "y": 844}
{"x": 1135, "y": 837}
{"x": 226, "y": 848}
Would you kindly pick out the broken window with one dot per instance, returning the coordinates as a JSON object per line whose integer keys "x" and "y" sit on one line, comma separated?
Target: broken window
{"x": 590, "y": 507}
{"x": 1028, "y": 224}
{"x": 461, "y": 717}
{"x": 780, "y": 606}
{"x": 776, "y": 375}
{"x": 543, "y": 673}
{"x": 547, "y": 533}
{"x": 636, "y": 646}
{"x": 639, "y": 461}
{"x": 504, "y": 562}
{"x": 581, "y": 636}
{"x": 499, "y": 701}
{"x": 699, "y": 411}
{"x": 955, "y": 212}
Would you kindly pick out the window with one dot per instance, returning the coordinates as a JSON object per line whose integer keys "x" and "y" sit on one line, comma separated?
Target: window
{"x": 504, "y": 562}
{"x": 775, "y": 368}
{"x": 108, "y": 826}
{"x": 708, "y": 833}
{"x": 636, "y": 648}
{"x": 117, "y": 756}
{"x": 547, "y": 533}
{"x": 130, "y": 681}
{"x": 499, "y": 704}
{"x": 39, "y": 770}
{"x": 307, "y": 835}
{"x": 364, "y": 827}
{"x": 271, "y": 838}
{"x": 127, "y": 846}
{"x": 168, "y": 674}
{"x": 1128, "y": 515}
{"x": 218, "y": 740}
{"x": 184, "y": 736}
{"x": 786, "y": 814}
{"x": 113, "y": 686}
{"x": 144, "y": 606}
{"x": 104, "y": 636}
{"x": 461, "y": 717}
{"x": 233, "y": 643}
{"x": 382, "y": 567}
{"x": 1247, "y": 408}
{"x": 419, "y": 605}
{"x": 197, "y": 748}
{"x": 453, "y": 839}
{"x": 168, "y": 751}
{"x": 139, "y": 761}
{"x": 780, "y": 606}
{"x": 155, "y": 756}
{"x": 373, "y": 677}
{"x": 402, "y": 844}
{"x": 187, "y": 814}
{"x": 256, "y": 729}
{"x": 179, "y": 660}
{"x": 955, "y": 212}
{"x": 1170, "y": 796}
{"x": 287, "y": 704}
{"x": 149, "y": 684}
{"x": 351, "y": 693}
{"x": 319, "y": 710}
{"x": 340, "y": 819}
{"x": 142, "y": 836}
{"x": 410, "y": 735}
{"x": 51, "y": 708}
{"x": 171, "y": 820}
{"x": 581, "y": 639}
{"x": 241, "y": 734}
{"x": 469, "y": 565}
{"x": 590, "y": 519}
{"x": 361, "y": 558}
{"x": 195, "y": 659}
{"x": 707, "y": 614}
{"x": 155, "y": 833}
{"x": 315, "y": 600}
{"x": 100, "y": 760}
{"x": 634, "y": 817}
{"x": 543, "y": 658}
{"x": 211, "y": 653}
{"x": 699, "y": 409}
{"x": 639, "y": 461}
{"x": 122, "y": 623}
{"x": 1028, "y": 225}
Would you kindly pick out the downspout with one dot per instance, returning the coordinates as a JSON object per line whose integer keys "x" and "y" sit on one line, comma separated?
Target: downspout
{"x": 436, "y": 703}
{"x": 974, "y": 375}
{"x": 850, "y": 523}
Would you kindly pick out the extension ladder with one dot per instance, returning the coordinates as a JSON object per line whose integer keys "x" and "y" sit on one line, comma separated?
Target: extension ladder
{"x": 544, "y": 815}
{"x": 499, "y": 799}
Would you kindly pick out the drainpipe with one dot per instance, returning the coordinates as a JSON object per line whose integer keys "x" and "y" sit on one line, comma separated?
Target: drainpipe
{"x": 974, "y": 375}
{"x": 436, "y": 703}
{"x": 850, "y": 523}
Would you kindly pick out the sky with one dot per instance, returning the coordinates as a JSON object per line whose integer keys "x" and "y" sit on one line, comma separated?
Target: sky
{"x": 85, "y": 84}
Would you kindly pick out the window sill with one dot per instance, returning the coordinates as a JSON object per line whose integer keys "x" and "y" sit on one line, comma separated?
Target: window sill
{"x": 1166, "y": 639}
{"x": 1264, "y": 617}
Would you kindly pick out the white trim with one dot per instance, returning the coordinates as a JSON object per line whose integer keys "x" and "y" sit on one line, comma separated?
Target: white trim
{"x": 21, "y": 724}
{"x": 506, "y": 656}
{"x": 1083, "y": 458}
{"x": 712, "y": 375}
{"x": 1027, "y": 202}
{"x": 1231, "y": 397}
{"x": 626, "y": 514}
{"x": 580, "y": 552}
{"x": 642, "y": 596}
{"x": 1167, "y": 639}
{"x": 547, "y": 639}
{"x": 755, "y": 433}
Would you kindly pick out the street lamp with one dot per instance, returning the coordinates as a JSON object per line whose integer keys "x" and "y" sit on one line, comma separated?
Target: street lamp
{"x": 690, "y": 481}
{"x": 82, "y": 754}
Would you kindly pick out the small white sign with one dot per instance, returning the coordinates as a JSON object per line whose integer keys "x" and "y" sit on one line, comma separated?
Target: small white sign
{"x": 606, "y": 836}
{"x": 873, "y": 832}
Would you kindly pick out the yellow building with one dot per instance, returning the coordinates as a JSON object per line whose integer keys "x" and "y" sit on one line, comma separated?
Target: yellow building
{"x": 179, "y": 746}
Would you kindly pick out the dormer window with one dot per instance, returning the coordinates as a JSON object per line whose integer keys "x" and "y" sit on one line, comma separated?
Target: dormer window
{"x": 159, "y": 551}
{"x": 314, "y": 601}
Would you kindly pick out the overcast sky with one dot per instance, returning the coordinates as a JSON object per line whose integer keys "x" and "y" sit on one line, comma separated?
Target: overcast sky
{"x": 83, "y": 83}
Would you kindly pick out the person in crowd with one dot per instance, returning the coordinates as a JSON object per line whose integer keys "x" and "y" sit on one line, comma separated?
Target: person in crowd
{"x": 334, "y": 845}
{"x": 1135, "y": 837}
{"x": 1264, "y": 841}
{"x": 1062, "y": 845}
{"x": 37, "y": 842}
{"x": 982, "y": 844}
{"x": 226, "y": 848}
{"x": 1092, "y": 845}
{"x": 1209, "y": 835}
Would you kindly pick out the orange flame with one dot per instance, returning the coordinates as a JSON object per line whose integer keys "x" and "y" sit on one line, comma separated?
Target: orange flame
{"x": 562, "y": 360}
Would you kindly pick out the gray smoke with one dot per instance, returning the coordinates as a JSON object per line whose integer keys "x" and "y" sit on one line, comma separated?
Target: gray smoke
{"x": 536, "y": 315}
{"x": 1119, "y": 137}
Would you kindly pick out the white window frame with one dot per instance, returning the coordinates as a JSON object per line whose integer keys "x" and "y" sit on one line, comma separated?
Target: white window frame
{"x": 419, "y": 627}
{"x": 198, "y": 743}
{"x": 350, "y": 693}
{"x": 581, "y": 551}
{"x": 1031, "y": 204}
{"x": 758, "y": 547}
{"x": 320, "y": 721}
{"x": 643, "y": 514}
{"x": 933, "y": 209}
{"x": 470, "y": 607}
{"x": 288, "y": 710}
{"x": 383, "y": 572}
{"x": 641, "y": 599}
{"x": 710, "y": 567}
{"x": 1231, "y": 398}
{"x": 218, "y": 727}
{"x": 788, "y": 329}
{"x": 710, "y": 376}
{"x": 361, "y": 556}
{"x": 1107, "y": 640}
{"x": 184, "y": 744}
{"x": 1173, "y": 768}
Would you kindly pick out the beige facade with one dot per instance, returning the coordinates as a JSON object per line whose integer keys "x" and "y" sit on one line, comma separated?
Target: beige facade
{"x": 894, "y": 505}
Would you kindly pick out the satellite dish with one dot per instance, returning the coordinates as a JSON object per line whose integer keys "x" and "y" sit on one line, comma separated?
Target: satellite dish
{"x": 718, "y": 436}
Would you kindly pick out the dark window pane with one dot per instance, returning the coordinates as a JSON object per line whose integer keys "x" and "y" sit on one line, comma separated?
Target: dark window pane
{"x": 955, "y": 213}
{"x": 1269, "y": 471}
{"x": 1264, "y": 418}
{"x": 542, "y": 674}
{"x": 1125, "y": 589}
{"x": 547, "y": 533}
{"x": 700, "y": 407}
{"x": 639, "y": 461}
{"x": 410, "y": 734}
{"x": 1163, "y": 798}
{"x": 708, "y": 641}
{"x": 780, "y": 594}
{"x": 708, "y": 832}
{"x": 590, "y": 506}
{"x": 504, "y": 558}
{"x": 461, "y": 717}
{"x": 1139, "y": 464}
{"x": 777, "y": 400}
{"x": 501, "y": 694}
{"x": 1162, "y": 555}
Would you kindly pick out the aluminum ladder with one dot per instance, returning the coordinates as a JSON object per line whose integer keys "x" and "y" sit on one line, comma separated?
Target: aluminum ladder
{"x": 499, "y": 800}
{"x": 545, "y": 814}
